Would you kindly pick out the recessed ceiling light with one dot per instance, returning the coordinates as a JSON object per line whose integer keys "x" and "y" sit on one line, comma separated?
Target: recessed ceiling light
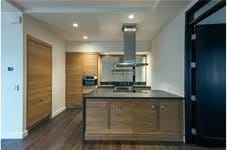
{"x": 76, "y": 25}
{"x": 85, "y": 37}
{"x": 131, "y": 16}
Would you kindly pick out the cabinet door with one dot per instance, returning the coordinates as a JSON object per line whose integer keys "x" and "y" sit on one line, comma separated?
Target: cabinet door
{"x": 121, "y": 116}
{"x": 96, "y": 116}
{"x": 90, "y": 64}
{"x": 171, "y": 116}
{"x": 145, "y": 116}
{"x": 74, "y": 74}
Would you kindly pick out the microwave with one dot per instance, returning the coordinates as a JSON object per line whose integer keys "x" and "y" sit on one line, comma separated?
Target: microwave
{"x": 89, "y": 80}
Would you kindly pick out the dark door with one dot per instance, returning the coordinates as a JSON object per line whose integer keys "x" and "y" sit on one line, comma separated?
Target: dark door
{"x": 210, "y": 84}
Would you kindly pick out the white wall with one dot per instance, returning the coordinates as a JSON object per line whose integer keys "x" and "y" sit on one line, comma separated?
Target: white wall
{"x": 12, "y": 56}
{"x": 105, "y": 46}
{"x": 168, "y": 52}
{"x": 168, "y": 57}
{"x": 35, "y": 29}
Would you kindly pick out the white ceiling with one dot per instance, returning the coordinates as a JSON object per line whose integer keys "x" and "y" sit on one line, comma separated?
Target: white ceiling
{"x": 102, "y": 20}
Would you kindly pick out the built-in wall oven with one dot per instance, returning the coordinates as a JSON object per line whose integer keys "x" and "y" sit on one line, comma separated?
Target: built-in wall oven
{"x": 89, "y": 80}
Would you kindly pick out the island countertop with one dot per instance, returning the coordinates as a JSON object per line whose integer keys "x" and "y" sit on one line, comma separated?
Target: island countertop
{"x": 102, "y": 93}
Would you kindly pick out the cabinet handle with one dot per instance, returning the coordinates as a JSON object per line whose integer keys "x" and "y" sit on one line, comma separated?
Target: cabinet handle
{"x": 153, "y": 106}
{"x": 104, "y": 105}
{"x": 162, "y": 107}
{"x": 114, "y": 106}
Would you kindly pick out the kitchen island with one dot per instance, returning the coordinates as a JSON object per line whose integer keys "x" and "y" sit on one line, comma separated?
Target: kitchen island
{"x": 142, "y": 115}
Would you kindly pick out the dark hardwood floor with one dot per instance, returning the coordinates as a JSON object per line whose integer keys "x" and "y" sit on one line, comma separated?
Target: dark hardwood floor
{"x": 64, "y": 133}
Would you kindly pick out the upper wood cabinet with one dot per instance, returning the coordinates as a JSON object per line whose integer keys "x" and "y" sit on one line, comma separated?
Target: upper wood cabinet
{"x": 90, "y": 64}
{"x": 145, "y": 116}
{"x": 78, "y": 65}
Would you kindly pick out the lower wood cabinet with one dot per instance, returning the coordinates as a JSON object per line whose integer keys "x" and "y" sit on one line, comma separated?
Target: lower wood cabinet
{"x": 97, "y": 116}
{"x": 145, "y": 116}
{"x": 120, "y": 117}
{"x": 152, "y": 120}
{"x": 170, "y": 117}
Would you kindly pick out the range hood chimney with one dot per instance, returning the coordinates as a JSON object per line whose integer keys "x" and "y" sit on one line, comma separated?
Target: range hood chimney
{"x": 129, "y": 31}
{"x": 129, "y": 59}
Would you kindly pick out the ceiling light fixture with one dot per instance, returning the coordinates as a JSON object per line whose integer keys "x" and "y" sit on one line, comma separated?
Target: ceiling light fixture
{"x": 76, "y": 25}
{"x": 131, "y": 16}
{"x": 85, "y": 37}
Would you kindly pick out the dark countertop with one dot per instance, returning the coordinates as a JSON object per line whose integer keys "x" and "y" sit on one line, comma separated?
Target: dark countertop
{"x": 103, "y": 93}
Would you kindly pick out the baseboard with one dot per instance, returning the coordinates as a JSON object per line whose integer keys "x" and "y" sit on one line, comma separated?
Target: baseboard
{"x": 57, "y": 112}
{"x": 25, "y": 133}
{"x": 14, "y": 135}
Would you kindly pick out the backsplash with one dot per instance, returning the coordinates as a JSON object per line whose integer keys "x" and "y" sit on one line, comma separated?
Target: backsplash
{"x": 118, "y": 83}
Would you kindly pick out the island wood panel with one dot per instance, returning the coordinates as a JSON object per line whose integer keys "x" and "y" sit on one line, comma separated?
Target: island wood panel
{"x": 97, "y": 116}
{"x": 39, "y": 80}
{"x": 121, "y": 116}
{"x": 145, "y": 116}
{"x": 77, "y": 65}
{"x": 141, "y": 119}
{"x": 171, "y": 117}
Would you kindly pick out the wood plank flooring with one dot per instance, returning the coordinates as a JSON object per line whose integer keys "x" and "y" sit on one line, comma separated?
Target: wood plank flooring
{"x": 65, "y": 133}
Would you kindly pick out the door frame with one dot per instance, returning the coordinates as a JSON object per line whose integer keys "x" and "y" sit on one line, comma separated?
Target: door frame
{"x": 189, "y": 87}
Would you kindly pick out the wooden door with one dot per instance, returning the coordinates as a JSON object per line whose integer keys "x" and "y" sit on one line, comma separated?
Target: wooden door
{"x": 121, "y": 116}
{"x": 170, "y": 116}
{"x": 39, "y": 80}
{"x": 90, "y": 64}
{"x": 74, "y": 75}
{"x": 96, "y": 116}
{"x": 145, "y": 116}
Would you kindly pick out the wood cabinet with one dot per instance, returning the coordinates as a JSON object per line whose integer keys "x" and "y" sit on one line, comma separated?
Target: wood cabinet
{"x": 39, "y": 80}
{"x": 145, "y": 116}
{"x": 97, "y": 116}
{"x": 120, "y": 116}
{"x": 78, "y": 65}
{"x": 153, "y": 120}
{"x": 90, "y": 64}
{"x": 170, "y": 117}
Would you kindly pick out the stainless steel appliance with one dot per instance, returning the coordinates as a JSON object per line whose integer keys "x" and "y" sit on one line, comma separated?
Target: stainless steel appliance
{"x": 89, "y": 80}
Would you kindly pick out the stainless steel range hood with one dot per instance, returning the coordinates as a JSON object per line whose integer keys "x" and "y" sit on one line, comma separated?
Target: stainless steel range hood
{"x": 129, "y": 59}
